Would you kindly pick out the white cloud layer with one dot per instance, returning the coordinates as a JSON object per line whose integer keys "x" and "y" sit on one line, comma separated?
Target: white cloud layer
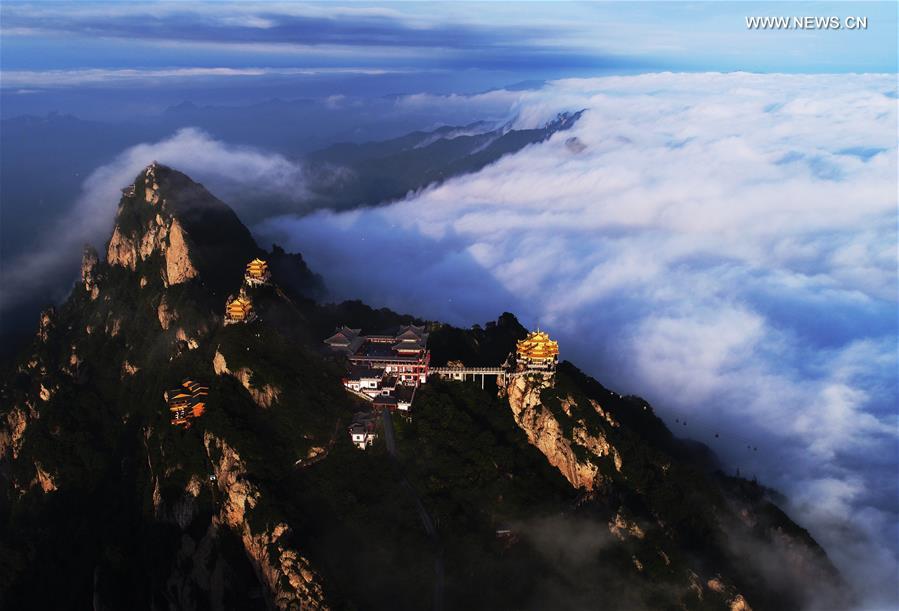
{"x": 14, "y": 79}
{"x": 725, "y": 245}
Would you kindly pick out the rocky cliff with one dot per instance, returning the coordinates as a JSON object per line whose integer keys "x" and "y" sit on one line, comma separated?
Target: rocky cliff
{"x": 83, "y": 424}
{"x": 662, "y": 496}
{"x": 160, "y": 234}
{"x": 577, "y": 453}
{"x": 264, "y": 395}
{"x": 289, "y": 576}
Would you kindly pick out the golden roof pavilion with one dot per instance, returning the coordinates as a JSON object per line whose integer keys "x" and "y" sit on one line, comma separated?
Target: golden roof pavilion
{"x": 537, "y": 346}
{"x": 239, "y": 309}
{"x": 257, "y": 269}
{"x": 186, "y": 402}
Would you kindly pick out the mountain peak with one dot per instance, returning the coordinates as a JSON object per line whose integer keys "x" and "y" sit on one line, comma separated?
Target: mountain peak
{"x": 169, "y": 225}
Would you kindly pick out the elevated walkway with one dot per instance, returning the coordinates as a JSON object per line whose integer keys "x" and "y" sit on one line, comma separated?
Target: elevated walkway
{"x": 490, "y": 371}
{"x": 463, "y": 373}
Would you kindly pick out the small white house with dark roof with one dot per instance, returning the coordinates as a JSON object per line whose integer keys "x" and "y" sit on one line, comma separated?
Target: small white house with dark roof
{"x": 404, "y": 396}
{"x": 363, "y": 430}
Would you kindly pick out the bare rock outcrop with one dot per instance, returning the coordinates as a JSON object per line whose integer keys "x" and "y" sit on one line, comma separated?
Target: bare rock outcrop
{"x": 45, "y": 393}
{"x": 47, "y": 322}
{"x": 12, "y": 432}
{"x": 162, "y": 234}
{"x": 189, "y": 342}
{"x": 121, "y": 250}
{"x": 89, "y": 261}
{"x": 43, "y": 479}
{"x": 545, "y": 432}
{"x": 622, "y": 528}
{"x": 263, "y": 397}
{"x": 178, "y": 265}
{"x": 735, "y": 601}
{"x": 165, "y": 313}
{"x": 290, "y": 578}
{"x": 128, "y": 368}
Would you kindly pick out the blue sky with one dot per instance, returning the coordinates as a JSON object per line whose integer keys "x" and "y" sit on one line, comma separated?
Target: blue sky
{"x": 544, "y": 39}
{"x": 117, "y": 60}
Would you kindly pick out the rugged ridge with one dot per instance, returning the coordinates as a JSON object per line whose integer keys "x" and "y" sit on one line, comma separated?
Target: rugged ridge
{"x": 289, "y": 577}
{"x": 83, "y": 429}
{"x": 264, "y": 396}
{"x": 165, "y": 216}
{"x": 548, "y": 496}
{"x": 545, "y": 432}
{"x": 594, "y": 449}
{"x": 162, "y": 234}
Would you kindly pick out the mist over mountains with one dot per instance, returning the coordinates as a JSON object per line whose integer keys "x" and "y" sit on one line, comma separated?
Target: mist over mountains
{"x": 731, "y": 241}
{"x": 720, "y": 243}
{"x": 277, "y": 173}
{"x": 701, "y": 212}
{"x": 542, "y": 489}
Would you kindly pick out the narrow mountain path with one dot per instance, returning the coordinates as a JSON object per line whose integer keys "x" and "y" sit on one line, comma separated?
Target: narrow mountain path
{"x": 308, "y": 462}
{"x": 426, "y": 521}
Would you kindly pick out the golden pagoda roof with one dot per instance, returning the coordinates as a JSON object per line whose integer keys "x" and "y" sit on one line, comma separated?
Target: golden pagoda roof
{"x": 187, "y": 401}
{"x": 537, "y": 345}
{"x": 240, "y": 303}
{"x": 257, "y": 268}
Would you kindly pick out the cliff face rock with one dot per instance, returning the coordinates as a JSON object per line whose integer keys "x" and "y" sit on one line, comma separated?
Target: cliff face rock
{"x": 140, "y": 233}
{"x": 186, "y": 232}
{"x": 121, "y": 250}
{"x": 12, "y": 432}
{"x": 129, "y": 369}
{"x": 46, "y": 323}
{"x": 189, "y": 342}
{"x": 159, "y": 236}
{"x": 165, "y": 313}
{"x": 545, "y": 431}
{"x": 734, "y": 600}
{"x": 289, "y": 576}
{"x": 623, "y": 528}
{"x": 263, "y": 397}
{"x": 89, "y": 261}
{"x": 178, "y": 265}
{"x": 43, "y": 479}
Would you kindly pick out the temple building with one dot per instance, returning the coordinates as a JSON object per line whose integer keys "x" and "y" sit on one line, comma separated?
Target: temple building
{"x": 381, "y": 402}
{"x": 363, "y": 430}
{"x": 257, "y": 273}
{"x": 537, "y": 352}
{"x": 404, "y": 395}
{"x": 364, "y": 379}
{"x": 186, "y": 402}
{"x": 239, "y": 310}
{"x": 345, "y": 340}
{"x": 402, "y": 354}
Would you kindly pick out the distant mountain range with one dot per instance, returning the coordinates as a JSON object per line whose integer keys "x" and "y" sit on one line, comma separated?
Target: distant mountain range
{"x": 46, "y": 160}
{"x": 350, "y": 175}
{"x": 566, "y": 496}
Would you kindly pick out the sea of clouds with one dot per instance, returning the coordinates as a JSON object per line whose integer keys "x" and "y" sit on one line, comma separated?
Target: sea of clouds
{"x": 723, "y": 244}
